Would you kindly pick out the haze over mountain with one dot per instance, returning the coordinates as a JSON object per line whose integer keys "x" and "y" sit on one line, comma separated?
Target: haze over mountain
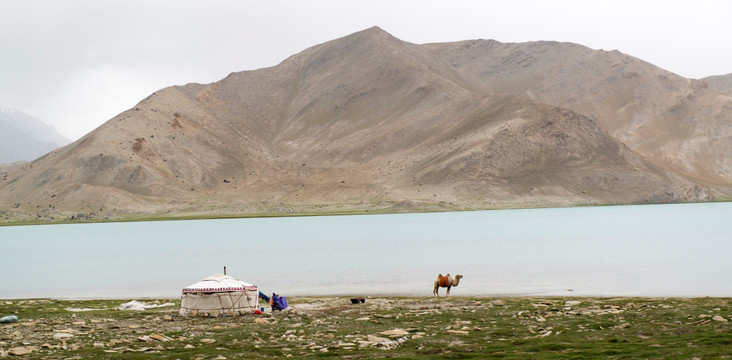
{"x": 368, "y": 121}
{"x": 25, "y": 138}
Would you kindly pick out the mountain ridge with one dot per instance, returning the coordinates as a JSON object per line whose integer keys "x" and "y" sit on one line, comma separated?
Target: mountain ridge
{"x": 366, "y": 122}
{"x": 25, "y": 138}
{"x": 720, "y": 83}
{"x": 619, "y": 99}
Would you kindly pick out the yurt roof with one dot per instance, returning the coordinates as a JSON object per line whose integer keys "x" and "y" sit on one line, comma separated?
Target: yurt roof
{"x": 219, "y": 283}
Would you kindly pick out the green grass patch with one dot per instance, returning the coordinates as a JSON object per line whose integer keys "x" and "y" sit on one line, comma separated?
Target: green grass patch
{"x": 331, "y": 327}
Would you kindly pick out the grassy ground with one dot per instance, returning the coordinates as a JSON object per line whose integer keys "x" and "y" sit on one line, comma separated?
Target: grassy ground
{"x": 458, "y": 327}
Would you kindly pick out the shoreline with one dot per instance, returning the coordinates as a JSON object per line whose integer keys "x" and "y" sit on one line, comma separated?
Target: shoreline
{"x": 391, "y": 296}
{"x": 455, "y": 293}
{"x": 324, "y": 210}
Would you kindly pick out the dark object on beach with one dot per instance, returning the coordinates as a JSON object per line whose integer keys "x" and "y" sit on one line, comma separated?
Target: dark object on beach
{"x": 358, "y": 300}
{"x": 278, "y": 302}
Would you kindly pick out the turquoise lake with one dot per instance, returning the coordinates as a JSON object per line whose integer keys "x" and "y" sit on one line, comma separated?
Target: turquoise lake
{"x": 640, "y": 250}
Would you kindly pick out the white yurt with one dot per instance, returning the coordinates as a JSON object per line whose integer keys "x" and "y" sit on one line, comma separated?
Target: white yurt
{"x": 218, "y": 295}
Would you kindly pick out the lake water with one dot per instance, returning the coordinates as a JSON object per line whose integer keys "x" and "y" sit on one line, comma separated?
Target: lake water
{"x": 645, "y": 250}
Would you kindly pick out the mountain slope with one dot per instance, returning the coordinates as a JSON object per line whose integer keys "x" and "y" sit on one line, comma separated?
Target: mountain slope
{"x": 720, "y": 83}
{"x": 673, "y": 121}
{"x": 23, "y": 137}
{"x": 364, "y": 121}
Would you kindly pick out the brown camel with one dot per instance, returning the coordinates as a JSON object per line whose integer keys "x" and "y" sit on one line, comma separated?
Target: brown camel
{"x": 446, "y": 281}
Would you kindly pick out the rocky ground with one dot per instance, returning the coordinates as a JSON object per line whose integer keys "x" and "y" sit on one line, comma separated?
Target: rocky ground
{"x": 379, "y": 327}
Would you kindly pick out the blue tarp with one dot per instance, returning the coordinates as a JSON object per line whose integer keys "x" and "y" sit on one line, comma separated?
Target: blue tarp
{"x": 278, "y": 302}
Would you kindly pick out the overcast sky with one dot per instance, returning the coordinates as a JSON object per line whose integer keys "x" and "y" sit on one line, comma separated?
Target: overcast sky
{"x": 77, "y": 63}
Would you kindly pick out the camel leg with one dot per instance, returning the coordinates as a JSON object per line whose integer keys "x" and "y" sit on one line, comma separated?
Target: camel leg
{"x": 448, "y": 291}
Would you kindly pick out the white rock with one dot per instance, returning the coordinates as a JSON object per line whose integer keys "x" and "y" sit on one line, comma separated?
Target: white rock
{"x": 376, "y": 339}
{"x": 8, "y": 319}
{"x": 159, "y": 337}
{"x": 394, "y": 332}
{"x": 19, "y": 351}
{"x": 457, "y": 332}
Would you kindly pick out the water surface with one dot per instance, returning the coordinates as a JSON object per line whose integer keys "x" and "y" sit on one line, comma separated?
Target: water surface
{"x": 648, "y": 250}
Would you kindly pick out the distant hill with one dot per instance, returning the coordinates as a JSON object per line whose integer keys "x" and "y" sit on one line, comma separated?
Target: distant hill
{"x": 25, "y": 138}
{"x": 369, "y": 122}
{"x": 721, "y": 83}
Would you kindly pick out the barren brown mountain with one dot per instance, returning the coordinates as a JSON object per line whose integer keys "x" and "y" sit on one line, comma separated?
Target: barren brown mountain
{"x": 720, "y": 83}
{"x": 368, "y": 121}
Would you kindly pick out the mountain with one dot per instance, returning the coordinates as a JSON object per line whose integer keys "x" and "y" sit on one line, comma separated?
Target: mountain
{"x": 720, "y": 83}
{"x": 368, "y": 122}
{"x": 674, "y": 122}
{"x": 23, "y": 137}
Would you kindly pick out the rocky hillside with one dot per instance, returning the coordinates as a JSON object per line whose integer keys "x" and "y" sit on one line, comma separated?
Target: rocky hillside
{"x": 25, "y": 138}
{"x": 720, "y": 83}
{"x": 369, "y": 121}
{"x": 674, "y": 122}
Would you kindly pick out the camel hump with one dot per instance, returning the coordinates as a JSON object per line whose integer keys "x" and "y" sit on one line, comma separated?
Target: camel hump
{"x": 444, "y": 281}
